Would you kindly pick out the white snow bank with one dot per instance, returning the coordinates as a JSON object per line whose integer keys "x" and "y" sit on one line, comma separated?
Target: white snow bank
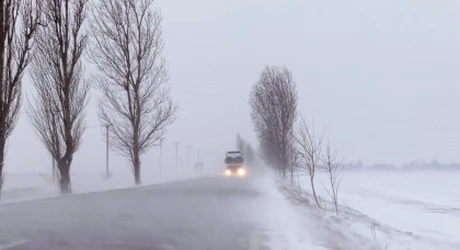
{"x": 331, "y": 231}
{"x": 410, "y": 210}
{"x": 286, "y": 227}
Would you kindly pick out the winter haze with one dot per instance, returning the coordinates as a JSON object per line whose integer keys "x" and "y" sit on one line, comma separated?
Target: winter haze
{"x": 381, "y": 76}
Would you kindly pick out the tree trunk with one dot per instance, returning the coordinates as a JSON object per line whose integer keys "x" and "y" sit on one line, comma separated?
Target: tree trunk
{"x": 2, "y": 161}
{"x": 283, "y": 173}
{"x": 334, "y": 190}
{"x": 137, "y": 168}
{"x": 64, "y": 169}
{"x": 314, "y": 191}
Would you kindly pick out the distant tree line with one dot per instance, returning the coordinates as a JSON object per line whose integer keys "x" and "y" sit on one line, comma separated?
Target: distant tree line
{"x": 246, "y": 149}
{"x": 124, "y": 41}
{"x": 412, "y": 165}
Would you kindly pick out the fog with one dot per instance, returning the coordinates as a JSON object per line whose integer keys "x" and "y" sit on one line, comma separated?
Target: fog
{"x": 380, "y": 76}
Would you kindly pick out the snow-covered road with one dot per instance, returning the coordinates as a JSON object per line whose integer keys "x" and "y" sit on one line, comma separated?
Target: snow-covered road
{"x": 206, "y": 213}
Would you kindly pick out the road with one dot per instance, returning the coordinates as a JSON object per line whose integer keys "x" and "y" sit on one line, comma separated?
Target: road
{"x": 209, "y": 213}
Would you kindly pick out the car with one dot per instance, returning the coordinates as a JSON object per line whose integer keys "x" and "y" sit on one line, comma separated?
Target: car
{"x": 235, "y": 163}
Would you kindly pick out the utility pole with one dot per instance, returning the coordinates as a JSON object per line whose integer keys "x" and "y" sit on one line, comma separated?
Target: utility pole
{"x": 161, "y": 156}
{"x": 177, "y": 154}
{"x": 107, "y": 150}
{"x": 188, "y": 154}
{"x": 199, "y": 161}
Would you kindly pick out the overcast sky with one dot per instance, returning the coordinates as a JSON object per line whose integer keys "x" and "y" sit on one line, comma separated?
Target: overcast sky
{"x": 381, "y": 76}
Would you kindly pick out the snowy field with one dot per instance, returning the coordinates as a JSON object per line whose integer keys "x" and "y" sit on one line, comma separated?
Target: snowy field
{"x": 411, "y": 210}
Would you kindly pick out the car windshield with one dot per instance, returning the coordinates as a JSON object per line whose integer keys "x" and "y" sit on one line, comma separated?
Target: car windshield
{"x": 233, "y": 155}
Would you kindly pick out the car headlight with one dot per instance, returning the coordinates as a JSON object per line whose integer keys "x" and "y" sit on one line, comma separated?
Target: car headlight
{"x": 241, "y": 171}
{"x": 228, "y": 172}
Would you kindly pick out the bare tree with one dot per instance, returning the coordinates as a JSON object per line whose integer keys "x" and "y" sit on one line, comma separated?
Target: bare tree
{"x": 309, "y": 150}
{"x": 18, "y": 24}
{"x": 127, "y": 50}
{"x": 333, "y": 166}
{"x": 57, "y": 111}
{"x": 274, "y": 108}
